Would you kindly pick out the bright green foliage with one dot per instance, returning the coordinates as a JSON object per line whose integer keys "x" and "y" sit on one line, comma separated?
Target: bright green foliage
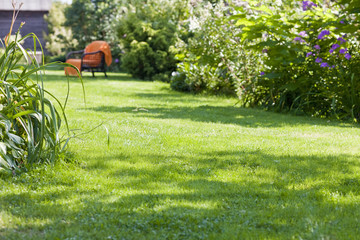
{"x": 60, "y": 39}
{"x": 213, "y": 59}
{"x": 29, "y": 122}
{"x": 147, "y": 33}
{"x": 183, "y": 166}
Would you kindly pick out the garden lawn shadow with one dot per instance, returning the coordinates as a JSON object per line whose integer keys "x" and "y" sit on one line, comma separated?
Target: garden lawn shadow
{"x": 220, "y": 114}
{"x": 191, "y": 199}
{"x": 187, "y": 167}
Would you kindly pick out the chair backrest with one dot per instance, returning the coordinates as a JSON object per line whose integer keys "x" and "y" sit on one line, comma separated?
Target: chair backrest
{"x": 94, "y": 59}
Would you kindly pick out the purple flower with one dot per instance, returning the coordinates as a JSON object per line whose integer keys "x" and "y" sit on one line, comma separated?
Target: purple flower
{"x": 299, "y": 39}
{"x": 307, "y": 5}
{"x": 343, "y": 50}
{"x": 335, "y": 46}
{"x": 341, "y": 40}
{"x": 303, "y": 34}
{"x": 323, "y": 33}
{"x": 264, "y": 50}
{"x": 342, "y": 21}
{"x": 318, "y": 60}
{"x": 331, "y": 50}
{"x": 317, "y": 47}
{"x": 262, "y": 73}
{"x": 347, "y": 56}
{"x": 333, "y": 66}
{"x": 309, "y": 54}
{"x": 324, "y": 64}
{"x": 116, "y": 60}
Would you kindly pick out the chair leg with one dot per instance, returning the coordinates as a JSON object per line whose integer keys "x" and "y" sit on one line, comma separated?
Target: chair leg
{"x": 93, "y": 73}
{"x": 105, "y": 73}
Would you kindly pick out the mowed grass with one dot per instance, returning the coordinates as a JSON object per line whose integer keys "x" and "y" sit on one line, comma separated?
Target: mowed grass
{"x": 186, "y": 167}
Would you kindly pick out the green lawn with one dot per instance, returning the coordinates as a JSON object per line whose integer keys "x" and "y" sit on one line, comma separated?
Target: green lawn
{"x": 186, "y": 167}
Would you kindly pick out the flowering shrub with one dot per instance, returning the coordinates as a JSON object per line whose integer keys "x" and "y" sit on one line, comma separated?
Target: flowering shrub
{"x": 310, "y": 60}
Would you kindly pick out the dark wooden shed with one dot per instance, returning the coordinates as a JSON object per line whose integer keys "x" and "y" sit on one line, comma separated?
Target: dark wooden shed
{"x": 32, "y": 13}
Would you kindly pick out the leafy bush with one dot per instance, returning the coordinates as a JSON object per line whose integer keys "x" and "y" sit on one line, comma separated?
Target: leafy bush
{"x": 307, "y": 60}
{"x": 178, "y": 82}
{"x": 286, "y": 56}
{"x": 29, "y": 122}
{"x": 213, "y": 59}
{"x": 147, "y": 33}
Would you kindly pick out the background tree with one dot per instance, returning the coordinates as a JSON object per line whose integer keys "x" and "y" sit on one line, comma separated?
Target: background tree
{"x": 92, "y": 20}
{"x": 59, "y": 39}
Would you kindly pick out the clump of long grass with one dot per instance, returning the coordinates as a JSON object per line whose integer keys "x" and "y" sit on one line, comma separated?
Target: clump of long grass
{"x": 29, "y": 121}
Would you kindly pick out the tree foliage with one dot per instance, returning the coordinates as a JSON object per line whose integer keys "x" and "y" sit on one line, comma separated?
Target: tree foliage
{"x": 59, "y": 39}
{"x": 92, "y": 20}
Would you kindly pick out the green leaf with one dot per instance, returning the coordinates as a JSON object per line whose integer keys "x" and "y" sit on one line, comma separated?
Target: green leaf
{"x": 244, "y": 22}
{"x": 23, "y": 113}
{"x": 15, "y": 138}
{"x": 3, "y": 148}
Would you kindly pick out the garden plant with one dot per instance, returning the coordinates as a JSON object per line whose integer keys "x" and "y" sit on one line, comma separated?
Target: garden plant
{"x": 310, "y": 58}
{"x": 30, "y": 123}
{"x": 298, "y": 56}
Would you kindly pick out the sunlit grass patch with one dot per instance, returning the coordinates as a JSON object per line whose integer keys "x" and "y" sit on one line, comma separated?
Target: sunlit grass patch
{"x": 181, "y": 166}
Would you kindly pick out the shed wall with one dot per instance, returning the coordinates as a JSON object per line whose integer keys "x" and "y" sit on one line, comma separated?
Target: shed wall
{"x": 34, "y": 23}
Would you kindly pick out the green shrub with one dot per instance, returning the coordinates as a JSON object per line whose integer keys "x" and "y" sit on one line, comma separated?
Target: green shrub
{"x": 58, "y": 58}
{"x": 303, "y": 70}
{"x": 147, "y": 33}
{"x": 212, "y": 58}
{"x": 178, "y": 82}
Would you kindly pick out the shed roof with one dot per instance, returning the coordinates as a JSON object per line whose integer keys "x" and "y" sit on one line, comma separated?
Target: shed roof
{"x": 29, "y": 5}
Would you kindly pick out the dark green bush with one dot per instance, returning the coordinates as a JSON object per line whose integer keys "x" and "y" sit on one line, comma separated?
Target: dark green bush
{"x": 59, "y": 58}
{"x": 178, "y": 82}
{"x": 147, "y": 35}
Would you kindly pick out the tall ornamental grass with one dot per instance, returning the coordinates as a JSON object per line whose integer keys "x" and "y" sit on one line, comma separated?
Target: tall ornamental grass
{"x": 29, "y": 121}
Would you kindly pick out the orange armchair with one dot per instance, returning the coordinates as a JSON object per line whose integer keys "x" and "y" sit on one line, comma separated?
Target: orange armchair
{"x": 93, "y": 58}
